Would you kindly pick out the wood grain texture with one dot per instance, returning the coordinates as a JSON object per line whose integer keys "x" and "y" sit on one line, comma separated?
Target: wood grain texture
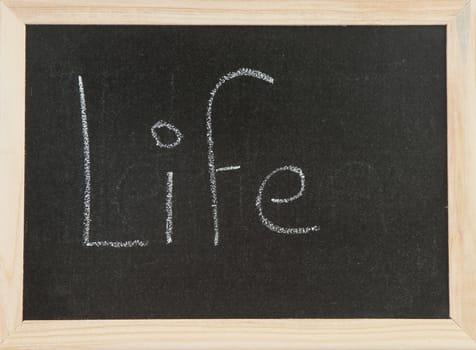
{"x": 229, "y": 12}
{"x": 241, "y": 334}
{"x": 462, "y": 167}
{"x": 12, "y": 106}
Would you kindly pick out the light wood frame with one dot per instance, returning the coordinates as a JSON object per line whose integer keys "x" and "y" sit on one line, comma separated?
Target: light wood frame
{"x": 454, "y": 333}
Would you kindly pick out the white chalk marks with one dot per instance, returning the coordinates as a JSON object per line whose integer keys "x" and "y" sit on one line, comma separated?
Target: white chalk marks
{"x": 212, "y": 172}
{"x": 211, "y": 155}
{"x": 229, "y": 168}
{"x": 86, "y": 163}
{"x": 169, "y": 224}
{"x": 87, "y": 184}
{"x": 162, "y": 124}
{"x": 265, "y": 221}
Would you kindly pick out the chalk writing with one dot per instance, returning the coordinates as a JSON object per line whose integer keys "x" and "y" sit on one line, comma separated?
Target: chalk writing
{"x": 212, "y": 170}
{"x": 265, "y": 221}
{"x": 169, "y": 224}
{"x": 229, "y": 168}
{"x": 211, "y": 154}
{"x": 162, "y": 124}
{"x": 87, "y": 183}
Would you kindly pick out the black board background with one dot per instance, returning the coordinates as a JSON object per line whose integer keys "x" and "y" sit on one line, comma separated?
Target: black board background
{"x": 362, "y": 110}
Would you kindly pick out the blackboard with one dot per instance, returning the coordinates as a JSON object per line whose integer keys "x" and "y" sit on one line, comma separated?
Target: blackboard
{"x": 235, "y": 172}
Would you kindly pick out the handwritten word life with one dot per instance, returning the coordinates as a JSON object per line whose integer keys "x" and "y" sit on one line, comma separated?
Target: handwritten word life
{"x": 213, "y": 171}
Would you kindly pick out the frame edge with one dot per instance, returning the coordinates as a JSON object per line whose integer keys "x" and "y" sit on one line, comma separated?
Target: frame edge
{"x": 337, "y": 334}
{"x": 461, "y": 56}
{"x": 12, "y": 111}
{"x": 228, "y": 12}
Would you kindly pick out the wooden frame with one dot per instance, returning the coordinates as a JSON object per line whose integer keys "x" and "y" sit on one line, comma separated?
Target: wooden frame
{"x": 455, "y": 333}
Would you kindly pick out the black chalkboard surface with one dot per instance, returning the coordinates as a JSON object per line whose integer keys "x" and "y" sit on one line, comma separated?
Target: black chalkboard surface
{"x": 230, "y": 172}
